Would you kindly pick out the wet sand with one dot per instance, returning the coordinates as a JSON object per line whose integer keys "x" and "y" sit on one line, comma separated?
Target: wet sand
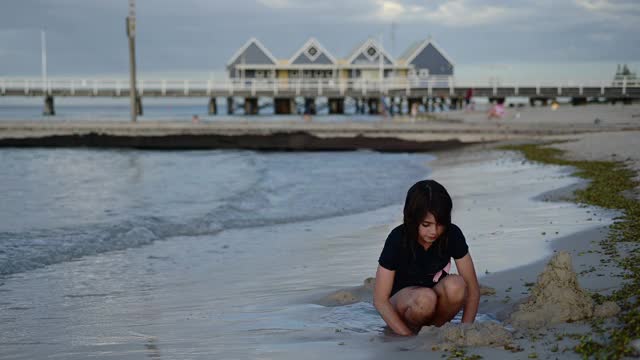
{"x": 514, "y": 287}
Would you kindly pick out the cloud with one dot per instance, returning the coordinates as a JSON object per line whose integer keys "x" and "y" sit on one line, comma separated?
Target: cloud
{"x": 87, "y": 36}
{"x": 276, "y": 4}
{"x": 601, "y": 37}
{"x": 453, "y": 13}
{"x": 615, "y": 6}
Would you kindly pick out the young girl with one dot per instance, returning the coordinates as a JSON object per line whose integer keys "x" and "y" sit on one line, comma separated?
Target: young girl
{"x": 413, "y": 288}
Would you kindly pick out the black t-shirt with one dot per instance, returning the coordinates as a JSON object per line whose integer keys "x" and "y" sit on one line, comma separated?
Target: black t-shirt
{"x": 421, "y": 269}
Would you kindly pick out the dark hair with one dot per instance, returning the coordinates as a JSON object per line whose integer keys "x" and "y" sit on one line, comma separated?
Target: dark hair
{"x": 426, "y": 196}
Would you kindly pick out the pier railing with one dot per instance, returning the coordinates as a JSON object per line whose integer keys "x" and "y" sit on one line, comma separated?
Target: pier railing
{"x": 446, "y": 86}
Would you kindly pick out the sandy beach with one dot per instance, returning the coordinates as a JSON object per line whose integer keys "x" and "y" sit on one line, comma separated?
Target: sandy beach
{"x": 304, "y": 289}
{"x": 595, "y": 271}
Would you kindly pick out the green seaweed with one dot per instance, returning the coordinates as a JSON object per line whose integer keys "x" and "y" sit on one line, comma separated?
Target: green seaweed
{"x": 610, "y": 183}
{"x": 460, "y": 353}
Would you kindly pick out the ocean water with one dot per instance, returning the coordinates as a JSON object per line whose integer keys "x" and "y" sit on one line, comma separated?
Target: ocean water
{"x": 16, "y": 108}
{"x": 164, "y": 109}
{"x": 224, "y": 254}
{"x": 61, "y": 204}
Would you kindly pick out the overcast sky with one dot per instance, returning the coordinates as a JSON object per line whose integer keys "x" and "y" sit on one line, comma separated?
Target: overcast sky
{"x": 87, "y": 37}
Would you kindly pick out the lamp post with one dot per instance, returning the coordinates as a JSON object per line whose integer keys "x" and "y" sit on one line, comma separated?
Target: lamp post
{"x": 43, "y": 52}
{"x": 131, "y": 34}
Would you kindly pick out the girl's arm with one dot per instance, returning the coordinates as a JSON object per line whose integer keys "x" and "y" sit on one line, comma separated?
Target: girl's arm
{"x": 381, "y": 292}
{"x": 468, "y": 273}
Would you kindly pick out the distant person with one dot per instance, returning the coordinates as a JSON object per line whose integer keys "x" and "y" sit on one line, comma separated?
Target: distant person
{"x": 468, "y": 104}
{"x": 413, "y": 286}
{"x": 497, "y": 111}
{"x": 414, "y": 110}
{"x": 195, "y": 119}
{"x": 555, "y": 105}
{"x": 384, "y": 109}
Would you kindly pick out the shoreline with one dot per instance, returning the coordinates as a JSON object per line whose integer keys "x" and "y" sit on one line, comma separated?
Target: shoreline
{"x": 594, "y": 264}
{"x": 513, "y": 286}
{"x": 441, "y": 131}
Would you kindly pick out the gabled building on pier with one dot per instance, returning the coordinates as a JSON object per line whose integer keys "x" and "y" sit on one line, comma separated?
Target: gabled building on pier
{"x": 369, "y": 60}
{"x": 425, "y": 58}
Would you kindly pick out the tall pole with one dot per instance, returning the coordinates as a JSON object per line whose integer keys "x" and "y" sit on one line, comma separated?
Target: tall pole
{"x": 381, "y": 64}
{"x": 43, "y": 43}
{"x": 393, "y": 37}
{"x": 131, "y": 33}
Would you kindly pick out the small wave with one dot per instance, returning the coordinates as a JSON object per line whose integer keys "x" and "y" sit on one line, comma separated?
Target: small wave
{"x": 242, "y": 190}
{"x": 75, "y": 296}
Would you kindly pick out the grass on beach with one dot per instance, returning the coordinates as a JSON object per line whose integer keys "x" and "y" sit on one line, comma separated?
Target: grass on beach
{"x": 610, "y": 186}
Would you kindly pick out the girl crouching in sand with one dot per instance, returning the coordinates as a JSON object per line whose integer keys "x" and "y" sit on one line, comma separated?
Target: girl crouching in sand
{"x": 413, "y": 288}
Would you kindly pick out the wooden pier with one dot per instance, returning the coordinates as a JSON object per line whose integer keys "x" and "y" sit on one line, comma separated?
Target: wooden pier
{"x": 283, "y": 92}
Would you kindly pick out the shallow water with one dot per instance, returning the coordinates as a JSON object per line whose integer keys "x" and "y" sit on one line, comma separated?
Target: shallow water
{"x": 61, "y": 204}
{"x": 248, "y": 292}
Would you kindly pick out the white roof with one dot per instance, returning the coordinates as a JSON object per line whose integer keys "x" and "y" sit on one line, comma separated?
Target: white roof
{"x": 246, "y": 45}
{"x": 370, "y": 42}
{"x": 423, "y": 45}
{"x": 315, "y": 43}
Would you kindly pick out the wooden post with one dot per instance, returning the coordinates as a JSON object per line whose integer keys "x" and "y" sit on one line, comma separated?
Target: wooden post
{"x": 49, "y": 109}
{"x": 131, "y": 33}
{"x": 336, "y": 105}
{"x": 230, "y": 105}
{"x": 213, "y": 106}
{"x": 138, "y": 105}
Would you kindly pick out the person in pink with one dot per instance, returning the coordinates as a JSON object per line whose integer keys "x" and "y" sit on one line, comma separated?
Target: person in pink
{"x": 497, "y": 111}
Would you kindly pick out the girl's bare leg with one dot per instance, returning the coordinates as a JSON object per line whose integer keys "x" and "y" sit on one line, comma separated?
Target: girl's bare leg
{"x": 452, "y": 294}
{"x": 416, "y": 306}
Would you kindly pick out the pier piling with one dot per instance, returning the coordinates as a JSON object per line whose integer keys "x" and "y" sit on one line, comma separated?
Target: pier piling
{"x": 230, "y": 105}
{"x": 283, "y": 106}
{"x": 251, "y": 106}
{"x": 309, "y": 106}
{"x": 213, "y": 106}
{"x": 139, "y": 105}
{"x": 359, "y": 106}
{"x": 374, "y": 106}
{"x": 49, "y": 108}
{"x": 578, "y": 101}
{"x": 336, "y": 105}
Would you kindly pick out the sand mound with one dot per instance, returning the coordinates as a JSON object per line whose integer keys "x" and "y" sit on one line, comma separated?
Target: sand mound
{"x": 476, "y": 334}
{"x": 486, "y": 290}
{"x": 555, "y": 298}
{"x": 350, "y": 295}
{"x": 606, "y": 309}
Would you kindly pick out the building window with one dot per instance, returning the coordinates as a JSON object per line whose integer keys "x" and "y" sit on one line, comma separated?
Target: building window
{"x": 312, "y": 53}
{"x": 424, "y": 72}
